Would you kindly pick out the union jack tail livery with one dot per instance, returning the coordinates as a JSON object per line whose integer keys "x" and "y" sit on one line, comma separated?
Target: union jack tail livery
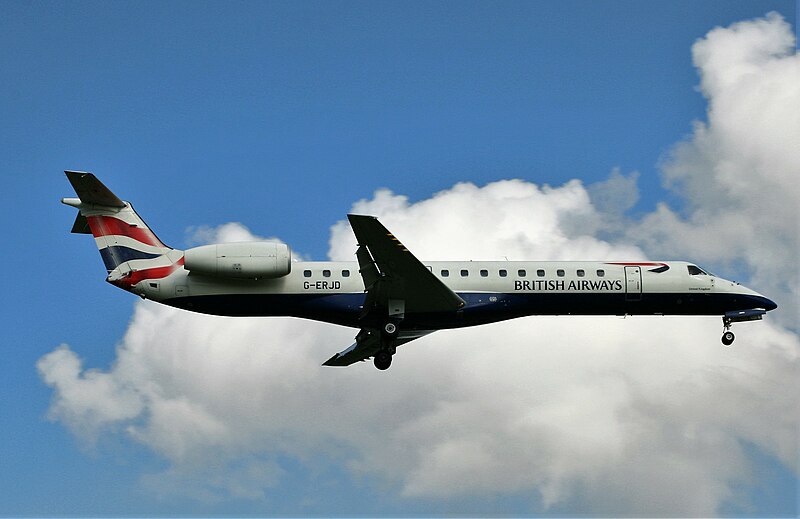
{"x": 131, "y": 252}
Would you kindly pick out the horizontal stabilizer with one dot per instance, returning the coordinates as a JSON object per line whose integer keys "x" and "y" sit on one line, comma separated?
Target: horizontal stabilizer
{"x": 92, "y": 191}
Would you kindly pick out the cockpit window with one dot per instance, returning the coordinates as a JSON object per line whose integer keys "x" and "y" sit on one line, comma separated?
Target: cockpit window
{"x": 696, "y": 271}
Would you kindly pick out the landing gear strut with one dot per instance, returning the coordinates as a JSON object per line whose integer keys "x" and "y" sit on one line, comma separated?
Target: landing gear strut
{"x": 727, "y": 334}
{"x": 389, "y": 332}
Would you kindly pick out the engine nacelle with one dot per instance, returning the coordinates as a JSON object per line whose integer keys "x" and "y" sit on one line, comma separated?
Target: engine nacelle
{"x": 252, "y": 260}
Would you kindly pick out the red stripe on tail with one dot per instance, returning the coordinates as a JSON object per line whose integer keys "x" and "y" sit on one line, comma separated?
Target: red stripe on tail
{"x": 109, "y": 226}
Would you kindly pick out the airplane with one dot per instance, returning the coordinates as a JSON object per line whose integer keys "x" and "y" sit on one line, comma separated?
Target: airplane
{"x": 388, "y": 294}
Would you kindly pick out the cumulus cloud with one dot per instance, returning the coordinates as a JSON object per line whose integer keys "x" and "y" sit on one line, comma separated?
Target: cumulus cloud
{"x": 87, "y": 400}
{"x": 225, "y": 233}
{"x": 738, "y": 171}
{"x": 636, "y": 416}
{"x": 509, "y": 219}
{"x": 228, "y": 233}
{"x": 603, "y": 415}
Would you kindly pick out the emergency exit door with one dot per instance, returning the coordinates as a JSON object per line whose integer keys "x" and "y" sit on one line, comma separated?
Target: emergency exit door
{"x": 633, "y": 283}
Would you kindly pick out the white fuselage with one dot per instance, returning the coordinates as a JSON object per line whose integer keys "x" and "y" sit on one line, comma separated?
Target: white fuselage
{"x": 492, "y": 290}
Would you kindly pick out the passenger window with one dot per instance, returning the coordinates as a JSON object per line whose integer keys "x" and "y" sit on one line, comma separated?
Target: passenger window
{"x": 445, "y": 273}
{"x": 326, "y": 273}
{"x": 345, "y": 273}
{"x": 464, "y": 273}
{"x": 521, "y": 273}
{"x": 307, "y": 273}
{"x": 503, "y": 273}
{"x": 601, "y": 273}
{"x": 540, "y": 273}
{"x": 560, "y": 273}
{"x": 484, "y": 273}
{"x": 581, "y": 273}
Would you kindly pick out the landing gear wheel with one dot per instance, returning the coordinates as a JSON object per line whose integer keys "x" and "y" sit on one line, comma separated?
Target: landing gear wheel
{"x": 390, "y": 329}
{"x": 383, "y": 359}
{"x": 727, "y": 338}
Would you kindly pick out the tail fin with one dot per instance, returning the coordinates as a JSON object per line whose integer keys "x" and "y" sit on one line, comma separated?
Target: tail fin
{"x": 125, "y": 242}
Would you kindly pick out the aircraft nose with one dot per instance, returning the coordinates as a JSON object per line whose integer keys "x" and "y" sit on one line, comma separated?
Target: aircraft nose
{"x": 769, "y": 304}
{"x": 757, "y": 300}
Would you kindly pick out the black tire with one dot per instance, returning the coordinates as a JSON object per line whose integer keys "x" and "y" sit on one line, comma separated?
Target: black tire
{"x": 382, "y": 360}
{"x": 727, "y": 338}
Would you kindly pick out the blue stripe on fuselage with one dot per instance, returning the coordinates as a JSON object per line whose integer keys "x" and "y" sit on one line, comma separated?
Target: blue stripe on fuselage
{"x": 481, "y": 308}
{"x": 117, "y": 254}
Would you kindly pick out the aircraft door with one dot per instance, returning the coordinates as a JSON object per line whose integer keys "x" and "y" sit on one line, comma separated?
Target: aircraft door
{"x": 633, "y": 283}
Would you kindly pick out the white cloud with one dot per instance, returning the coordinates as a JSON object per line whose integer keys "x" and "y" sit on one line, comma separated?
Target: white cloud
{"x": 87, "y": 399}
{"x": 225, "y": 233}
{"x": 738, "y": 172}
{"x": 228, "y": 233}
{"x": 545, "y": 406}
{"x": 509, "y": 219}
{"x": 641, "y": 416}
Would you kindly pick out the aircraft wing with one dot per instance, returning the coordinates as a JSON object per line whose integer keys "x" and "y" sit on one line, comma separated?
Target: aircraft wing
{"x": 393, "y": 276}
{"x": 396, "y": 283}
{"x": 368, "y": 342}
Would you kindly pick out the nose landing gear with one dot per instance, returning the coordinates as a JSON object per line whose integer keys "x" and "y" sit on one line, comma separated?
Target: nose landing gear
{"x": 738, "y": 316}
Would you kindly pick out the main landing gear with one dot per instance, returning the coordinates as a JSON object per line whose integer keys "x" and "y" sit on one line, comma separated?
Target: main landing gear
{"x": 390, "y": 330}
{"x": 383, "y": 357}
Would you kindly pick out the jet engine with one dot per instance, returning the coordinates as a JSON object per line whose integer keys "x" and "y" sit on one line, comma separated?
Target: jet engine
{"x": 249, "y": 260}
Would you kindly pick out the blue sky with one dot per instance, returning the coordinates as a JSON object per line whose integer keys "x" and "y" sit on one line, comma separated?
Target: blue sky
{"x": 281, "y": 116}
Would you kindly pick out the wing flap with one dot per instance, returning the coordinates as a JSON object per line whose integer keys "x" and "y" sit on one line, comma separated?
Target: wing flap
{"x": 366, "y": 345}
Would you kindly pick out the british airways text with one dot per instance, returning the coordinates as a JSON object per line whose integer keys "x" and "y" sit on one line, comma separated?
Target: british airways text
{"x": 555, "y": 285}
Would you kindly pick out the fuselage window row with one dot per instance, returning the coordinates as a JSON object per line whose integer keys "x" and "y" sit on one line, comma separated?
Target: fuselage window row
{"x": 326, "y": 273}
{"x": 504, "y": 273}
